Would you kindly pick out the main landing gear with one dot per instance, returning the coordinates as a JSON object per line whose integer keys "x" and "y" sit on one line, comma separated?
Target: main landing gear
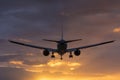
{"x": 70, "y": 56}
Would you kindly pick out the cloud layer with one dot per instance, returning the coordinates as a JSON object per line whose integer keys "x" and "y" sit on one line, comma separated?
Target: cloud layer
{"x": 30, "y": 21}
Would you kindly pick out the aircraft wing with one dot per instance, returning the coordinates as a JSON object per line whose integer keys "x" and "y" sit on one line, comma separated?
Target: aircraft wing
{"x": 89, "y": 46}
{"x": 33, "y": 46}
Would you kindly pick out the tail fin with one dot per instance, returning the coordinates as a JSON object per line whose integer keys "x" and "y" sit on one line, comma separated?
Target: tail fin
{"x": 62, "y": 34}
{"x": 73, "y": 40}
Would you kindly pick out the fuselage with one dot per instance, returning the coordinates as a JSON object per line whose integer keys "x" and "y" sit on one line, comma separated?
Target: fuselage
{"x": 62, "y": 47}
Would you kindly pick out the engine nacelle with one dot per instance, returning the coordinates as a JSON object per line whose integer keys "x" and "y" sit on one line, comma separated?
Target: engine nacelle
{"x": 46, "y": 53}
{"x": 77, "y": 52}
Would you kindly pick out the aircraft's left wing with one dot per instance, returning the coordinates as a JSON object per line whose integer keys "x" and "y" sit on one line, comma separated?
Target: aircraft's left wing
{"x": 33, "y": 46}
{"x": 88, "y": 46}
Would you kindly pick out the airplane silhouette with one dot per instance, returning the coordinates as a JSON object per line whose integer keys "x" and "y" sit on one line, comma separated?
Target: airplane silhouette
{"x": 61, "y": 47}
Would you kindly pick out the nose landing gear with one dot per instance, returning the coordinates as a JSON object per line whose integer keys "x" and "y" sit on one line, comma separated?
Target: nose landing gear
{"x": 70, "y": 56}
{"x": 52, "y": 56}
{"x": 61, "y": 58}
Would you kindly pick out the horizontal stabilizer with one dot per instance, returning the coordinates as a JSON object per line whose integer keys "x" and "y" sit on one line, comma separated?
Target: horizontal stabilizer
{"x": 51, "y": 40}
{"x": 73, "y": 40}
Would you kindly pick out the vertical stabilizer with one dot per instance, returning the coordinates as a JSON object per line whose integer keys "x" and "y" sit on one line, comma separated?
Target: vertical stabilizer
{"x": 62, "y": 34}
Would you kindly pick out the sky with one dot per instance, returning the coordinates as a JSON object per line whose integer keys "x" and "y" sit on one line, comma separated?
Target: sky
{"x": 30, "y": 21}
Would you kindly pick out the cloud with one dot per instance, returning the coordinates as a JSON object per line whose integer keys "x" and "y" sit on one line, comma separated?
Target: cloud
{"x": 26, "y": 58}
{"x": 13, "y": 74}
{"x": 52, "y": 66}
{"x": 116, "y": 30}
{"x": 29, "y": 21}
{"x": 16, "y": 62}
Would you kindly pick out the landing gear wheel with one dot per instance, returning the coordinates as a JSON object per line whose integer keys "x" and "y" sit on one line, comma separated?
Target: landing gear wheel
{"x": 61, "y": 58}
{"x": 70, "y": 56}
{"x": 52, "y": 56}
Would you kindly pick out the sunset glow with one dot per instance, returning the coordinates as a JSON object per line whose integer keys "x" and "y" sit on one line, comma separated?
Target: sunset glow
{"x": 107, "y": 77}
{"x": 116, "y": 30}
{"x": 16, "y": 62}
{"x": 65, "y": 68}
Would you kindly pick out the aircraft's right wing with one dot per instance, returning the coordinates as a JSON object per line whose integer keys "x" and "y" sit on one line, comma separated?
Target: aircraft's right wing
{"x": 88, "y": 46}
{"x": 33, "y": 46}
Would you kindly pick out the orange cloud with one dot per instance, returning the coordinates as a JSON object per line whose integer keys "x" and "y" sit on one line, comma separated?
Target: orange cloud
{"x": 54, "y": 66}
{"x": 62, "y": 69}
{"x": 25, "y": 40}
{"x": 16, "y": 62}
{"x": 66, "y": 70}
{"x": 55, "y": 63}
{"x": 78, "y": 77}
{"x": 116, "y": 30}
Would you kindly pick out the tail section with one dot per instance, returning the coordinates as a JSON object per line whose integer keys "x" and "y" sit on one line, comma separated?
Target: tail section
{"x": 62, "y": 38}
{"x": 51, "y": 40}
{"x": 56, "y": 40}
{"x": 73, "y": 40}
{"x": 62, "y": 34}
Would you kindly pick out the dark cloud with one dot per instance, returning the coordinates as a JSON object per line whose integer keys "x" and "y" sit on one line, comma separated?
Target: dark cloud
{"x": 34, "y": 59}
{"x": 39, "y": 17}
{"x": 88, "y": 7}
{"x": 14, "y": 74}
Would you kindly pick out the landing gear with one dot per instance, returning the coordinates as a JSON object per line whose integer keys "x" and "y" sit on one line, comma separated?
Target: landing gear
{"x": 61, "y": 58}
{"x": 52, "y": 56}
{"x": 70, "y": 56}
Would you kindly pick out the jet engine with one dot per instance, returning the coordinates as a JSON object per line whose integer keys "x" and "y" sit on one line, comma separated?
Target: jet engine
{"x": 46, "y": 53}
{"x": 77, "y": 52}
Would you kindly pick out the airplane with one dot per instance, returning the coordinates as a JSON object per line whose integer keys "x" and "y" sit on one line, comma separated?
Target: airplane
{"x": 62, "y": 47}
